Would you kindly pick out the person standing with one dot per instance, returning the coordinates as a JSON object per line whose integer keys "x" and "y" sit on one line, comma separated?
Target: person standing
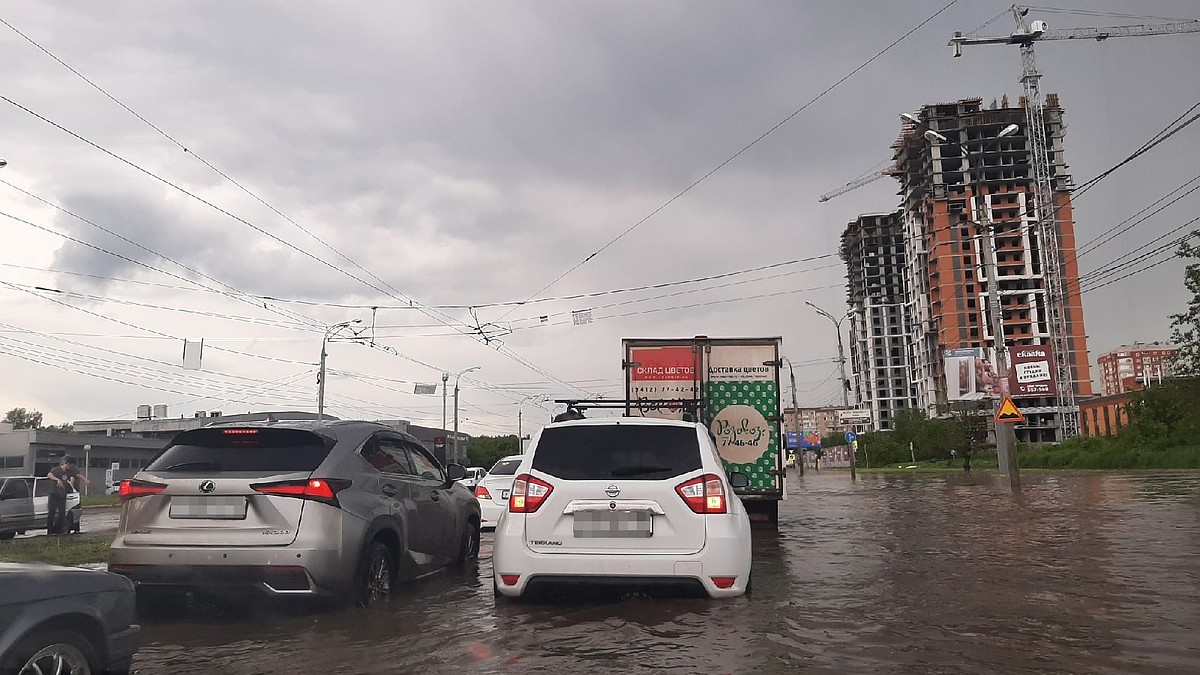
{"x": 64, "y": 473}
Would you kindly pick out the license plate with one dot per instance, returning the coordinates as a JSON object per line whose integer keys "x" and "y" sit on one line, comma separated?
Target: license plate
{"x": 504, "y": 494}
{"x": 614, "y": 524}
{"x": 219, "y": 508}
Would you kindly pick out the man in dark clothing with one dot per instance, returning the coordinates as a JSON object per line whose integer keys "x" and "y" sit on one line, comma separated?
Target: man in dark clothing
{"x": 62, "y": 474}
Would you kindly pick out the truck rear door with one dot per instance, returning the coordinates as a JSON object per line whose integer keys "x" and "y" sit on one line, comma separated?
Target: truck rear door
{"x": 741, "y": 410}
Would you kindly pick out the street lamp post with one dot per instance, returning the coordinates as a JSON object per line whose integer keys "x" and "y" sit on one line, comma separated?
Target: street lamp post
{"x": 1005, "y": 433}
{"x": 445, "y": 378}
{"x": 795, "y": 415}
{"x": 87, "y": 457}
{"x": 329, "y": 332}
{"x": 837, "y": 324}
{"x": 454, "y": 452}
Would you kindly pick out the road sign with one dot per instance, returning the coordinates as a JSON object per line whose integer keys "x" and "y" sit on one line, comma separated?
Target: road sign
{"x": 1008, "y": 412}
{"x": 851, "y": 436}
{"x": 793, "y": 440}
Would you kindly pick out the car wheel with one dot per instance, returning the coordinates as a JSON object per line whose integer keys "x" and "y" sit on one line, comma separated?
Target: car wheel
{"x": 377, "y": 575}
{"x": 468, "y": 548}
{"x": 56, "y": 651}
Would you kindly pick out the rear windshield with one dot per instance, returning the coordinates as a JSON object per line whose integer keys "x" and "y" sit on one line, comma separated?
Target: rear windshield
{"x": 505, "y": 467}
{"x": 626, "y": 451}
{"x": 247, "y": 449}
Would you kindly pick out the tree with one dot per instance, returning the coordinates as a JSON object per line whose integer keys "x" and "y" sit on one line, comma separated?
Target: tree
{"x": 1186, "y": 325}
{"x": 65, "y": 427}
{"x": 487, "y": 450}
{"x": 21, "y": 418}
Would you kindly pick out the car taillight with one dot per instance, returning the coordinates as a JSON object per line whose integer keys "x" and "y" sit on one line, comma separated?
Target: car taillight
{"x": 482, "y": 492}
{"x": 528, "y": 494}
{"x": 723, "y": 582}
{"x": 510, "y": 579}
{"x": 704, "y": 494}
{"x": 131, "y": 489}
{"x": 317, "y": 489}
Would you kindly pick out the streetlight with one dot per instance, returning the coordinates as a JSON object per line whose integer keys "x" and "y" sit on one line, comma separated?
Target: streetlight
{"x": 535, "y": 398}
{"x": 1005, "y": 433}
{"x": 87, "y": 447}
{"x": 454, "y": 452}
{"x": 795, "y": 414}
{"x": 329, "y": 333}
{"x": 445, "y": 377}
{"x": 837, "y": 324}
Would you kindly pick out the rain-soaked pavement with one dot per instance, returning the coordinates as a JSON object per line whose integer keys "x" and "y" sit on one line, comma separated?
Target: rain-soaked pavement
{"x": 919, "y": 573}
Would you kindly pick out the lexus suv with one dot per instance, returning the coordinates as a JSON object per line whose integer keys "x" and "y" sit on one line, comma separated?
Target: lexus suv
{"x": 340, "y": 509}
{"x": 623, "y": 502}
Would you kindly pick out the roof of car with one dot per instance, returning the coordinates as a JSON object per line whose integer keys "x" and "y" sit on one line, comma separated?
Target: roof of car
{"x": 610, "y": 421}
{"x": 308, "y": 425}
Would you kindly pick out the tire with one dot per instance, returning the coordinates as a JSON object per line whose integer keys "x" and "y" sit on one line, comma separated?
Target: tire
{"x": 376, "y": 575}
{"x": 43, "y": 647}
{"x": 468, "y": 547}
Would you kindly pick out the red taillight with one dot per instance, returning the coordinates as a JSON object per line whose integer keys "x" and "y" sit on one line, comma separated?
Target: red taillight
{"x": 239, "y": 432}
{"x": 704, "y": 494}
{"x": 510, "y": 579}
{"x": 131, "y": 489}
{"x": 528, "y": 494}
{"x": 482, "y": 492}
{"x": 317, "y": 489}
{"x": 723, "y": 582}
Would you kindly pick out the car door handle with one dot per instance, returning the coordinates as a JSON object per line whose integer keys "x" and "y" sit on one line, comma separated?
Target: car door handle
{"x": 434, "y": 495}
{"x": 389, "y": 490}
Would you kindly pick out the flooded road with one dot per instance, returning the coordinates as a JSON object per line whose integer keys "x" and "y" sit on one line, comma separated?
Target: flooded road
{"x": 921, "y": 573}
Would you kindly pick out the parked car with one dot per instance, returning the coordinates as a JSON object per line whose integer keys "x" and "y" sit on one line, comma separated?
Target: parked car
{"x": 25, "y": 505}
{"x": 335, "y": 509}
{"x": 474, "y": 475}
{"x": 65, "y": 620}
{"x": 637, "y": 502}
{"x": 492, "y": 491}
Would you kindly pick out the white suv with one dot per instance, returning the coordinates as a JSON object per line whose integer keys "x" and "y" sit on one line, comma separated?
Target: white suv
{"x": 625, "y": 502}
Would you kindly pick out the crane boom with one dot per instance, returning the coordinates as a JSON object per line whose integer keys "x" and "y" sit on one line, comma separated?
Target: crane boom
{"x": 854, "y": 185}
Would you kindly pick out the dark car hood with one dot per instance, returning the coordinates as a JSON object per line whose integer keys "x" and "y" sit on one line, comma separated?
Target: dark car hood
{"x": 25, "y": 582}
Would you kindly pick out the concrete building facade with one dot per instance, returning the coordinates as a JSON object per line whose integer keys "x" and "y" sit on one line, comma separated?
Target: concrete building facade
{"x": 1132, "y": 367}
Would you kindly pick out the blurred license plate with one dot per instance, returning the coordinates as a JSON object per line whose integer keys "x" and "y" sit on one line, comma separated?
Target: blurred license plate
{"x": 504, "y": 494}
{"x": 614, "y": 524}
{"x": 230, "y": 508}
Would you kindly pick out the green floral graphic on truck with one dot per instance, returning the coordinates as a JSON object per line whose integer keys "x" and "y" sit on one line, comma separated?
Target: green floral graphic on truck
{"x": 738, "y": 412}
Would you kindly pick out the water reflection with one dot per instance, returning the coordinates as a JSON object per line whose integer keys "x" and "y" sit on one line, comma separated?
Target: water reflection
{"x": 919, "y": 573}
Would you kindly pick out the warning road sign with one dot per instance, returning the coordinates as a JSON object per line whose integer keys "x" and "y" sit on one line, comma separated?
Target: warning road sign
{"x": 1008, "y": 412}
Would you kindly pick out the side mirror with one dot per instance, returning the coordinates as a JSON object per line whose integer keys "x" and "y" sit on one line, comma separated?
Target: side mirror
{"x": 455, "y": 471}
{"x": 738, "y": 480}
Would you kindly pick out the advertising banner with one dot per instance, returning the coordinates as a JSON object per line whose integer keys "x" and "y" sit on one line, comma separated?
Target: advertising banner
{"x": 971, "y": 375}
{"x": 1031, "y": 371}
{"x": 742, "y": 400}
{"x": 660, "y": 374}
{"x": 810, "y": 439}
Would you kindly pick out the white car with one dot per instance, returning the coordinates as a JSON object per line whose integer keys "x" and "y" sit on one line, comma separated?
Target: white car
{"x": 474, "y": 475}
{"x": 492, "y": 491}
{"x": 630, "y": 501}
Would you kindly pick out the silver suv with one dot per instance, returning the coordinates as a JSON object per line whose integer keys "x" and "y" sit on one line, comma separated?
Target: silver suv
{"x": 341, "y": 509}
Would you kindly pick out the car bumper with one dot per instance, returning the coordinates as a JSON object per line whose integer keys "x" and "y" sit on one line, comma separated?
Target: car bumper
{"x": 490, "y": 512}
{"x": 277, "y": 571}
{"x": 726, "y": 554}
{"x": 123, "y": 644}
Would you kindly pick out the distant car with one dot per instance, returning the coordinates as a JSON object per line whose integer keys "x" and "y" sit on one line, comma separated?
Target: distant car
{"x": 113, "y": 488}
{"x": 623, "y": 502}
{"x": 474, "y": 475}
{"x": 492, "y": 491}
{"x": 337, "y": 509}
{"x": 25, "y": 505}
{"x": 65, "y": 620}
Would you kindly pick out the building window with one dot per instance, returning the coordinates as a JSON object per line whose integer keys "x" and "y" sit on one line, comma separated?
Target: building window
{"x": 12, "y": 462}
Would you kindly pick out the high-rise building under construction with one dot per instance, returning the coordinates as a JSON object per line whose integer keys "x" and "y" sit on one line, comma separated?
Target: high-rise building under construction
{"x": 971, "y": 173}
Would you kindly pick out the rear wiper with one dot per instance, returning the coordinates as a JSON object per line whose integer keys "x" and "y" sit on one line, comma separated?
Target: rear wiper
{"x": 627, "y": 471}
{"x": 204, "y": 463}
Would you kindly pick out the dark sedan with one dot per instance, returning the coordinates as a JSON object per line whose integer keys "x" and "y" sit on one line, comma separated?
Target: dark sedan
{"x": 65, "y": 620}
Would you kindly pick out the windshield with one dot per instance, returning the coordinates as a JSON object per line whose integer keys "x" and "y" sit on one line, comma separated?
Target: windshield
{"x": 627, "y": 451}
{"x": 505, "y": 467}
{"x": 251, "y": 449}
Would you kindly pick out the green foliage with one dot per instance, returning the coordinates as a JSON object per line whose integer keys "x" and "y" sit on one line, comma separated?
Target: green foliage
{"x": 1165, "y": 415}
{"x": 65, "y": 427}
{"x": 21, "y": 418}
{"x": 1109, "y": 454}
{"x": 963, "y": 431}
{"x": 487, "y": 450}
{"x": 78, "y": 549}
{"x": 1186, "y": 325}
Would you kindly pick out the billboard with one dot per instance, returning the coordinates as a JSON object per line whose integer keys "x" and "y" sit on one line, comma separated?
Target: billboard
{"x": 1031, "y": 371}
{"x": 971, "y": 375}
{"x": 810, "y": 439}
{"x": 658, "y": 374}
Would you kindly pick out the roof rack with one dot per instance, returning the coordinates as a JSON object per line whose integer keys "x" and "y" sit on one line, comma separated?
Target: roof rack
{"x": 575, "y": 407}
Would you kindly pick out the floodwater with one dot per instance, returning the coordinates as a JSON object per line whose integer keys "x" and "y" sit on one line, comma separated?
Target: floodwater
{"x": 920, "y": 573}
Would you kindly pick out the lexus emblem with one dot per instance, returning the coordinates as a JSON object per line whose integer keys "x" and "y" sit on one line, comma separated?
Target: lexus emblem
{"x": 612, "y": 490}
{"x": 208, "y": 486}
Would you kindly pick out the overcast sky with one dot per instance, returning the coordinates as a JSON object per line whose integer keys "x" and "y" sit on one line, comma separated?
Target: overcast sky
{"x": 470, "y": 153}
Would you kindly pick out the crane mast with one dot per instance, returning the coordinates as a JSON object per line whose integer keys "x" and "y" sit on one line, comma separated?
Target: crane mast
{"x": 1047, "y": 226}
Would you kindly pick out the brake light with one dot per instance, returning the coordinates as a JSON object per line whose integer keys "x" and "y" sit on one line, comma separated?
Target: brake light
{"x": 510, "y": 579}
{"x": 528, "y": 494}
{"x": 723, "y": 582}
{"x": 239, "y": 432}
{"x": 482, "y": 492}
{"x": 704, "y": 494}
{"x": 317, "y": 489}
{"x": 131, "y": 489}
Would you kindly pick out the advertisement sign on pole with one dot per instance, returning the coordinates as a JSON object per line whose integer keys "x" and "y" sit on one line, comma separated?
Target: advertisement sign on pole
{"x": 793, "y": 440}
{"x": 971, "y": 375}
{"x": 1030, "y": 371}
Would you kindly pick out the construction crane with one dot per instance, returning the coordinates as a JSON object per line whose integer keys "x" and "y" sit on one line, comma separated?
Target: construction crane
{"x": 1056, "y": 288}
{"x": 857, "y": 183}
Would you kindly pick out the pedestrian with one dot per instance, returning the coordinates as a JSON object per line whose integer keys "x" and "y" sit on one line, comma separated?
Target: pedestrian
{"x": 62, "y": 474}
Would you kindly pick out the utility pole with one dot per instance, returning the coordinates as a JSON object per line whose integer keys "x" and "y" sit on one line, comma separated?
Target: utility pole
{"x": 445, "y": 378}
{"x": 837, "y": 324}
{"x": 456, "y": 379}
{"x": 520, "y": 443}
{"x": 795, "y": 416}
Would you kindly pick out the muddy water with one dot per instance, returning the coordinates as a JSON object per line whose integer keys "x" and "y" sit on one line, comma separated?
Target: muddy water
{"x": 897, "y": 574}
